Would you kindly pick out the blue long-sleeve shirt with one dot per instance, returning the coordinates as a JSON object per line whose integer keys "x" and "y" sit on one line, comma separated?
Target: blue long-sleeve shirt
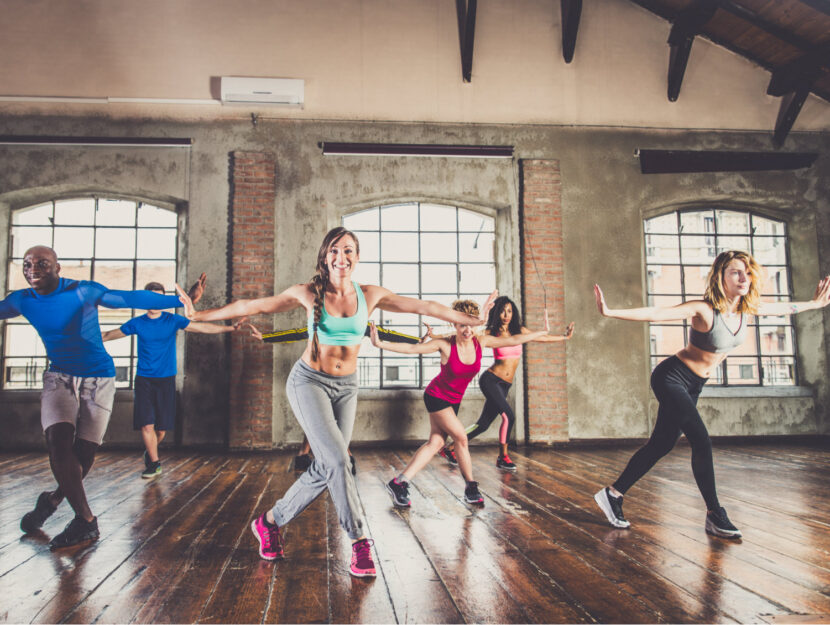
{"x": 67, "y": 321}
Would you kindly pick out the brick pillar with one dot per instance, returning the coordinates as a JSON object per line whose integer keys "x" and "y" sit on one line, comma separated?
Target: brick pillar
{"x": 546, "y": 398}
{"x": 251, "y": 275}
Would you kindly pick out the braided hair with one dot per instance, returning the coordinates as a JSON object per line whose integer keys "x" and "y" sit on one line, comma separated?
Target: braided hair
{"x": 494, "y": 318}
{"x": 320, "y": 281}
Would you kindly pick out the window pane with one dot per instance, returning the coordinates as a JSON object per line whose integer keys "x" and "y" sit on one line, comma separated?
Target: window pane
{"x": 477, "y": 247}
{"x": 777, "y": 340}
{"x": 438, "y": 247}
{"x": 742, "y": 371}
{"x": 697, "y": 222}
{"x": 23, "y": 339}
{"x": 115, "y": 243}
{"x": 80, "y": 212}
{"x": 369, "y": 247}
{"x": 477, "y": 278}
{"x": 15, "y": 274}
{"x": 777, "y": 281}
{"x": 663, "y": 279}
{"x": 77, "y": 269}
{"x": 396, "y": 320}
{"x": 115, "y": 213}
{"x": 698, "y": 249}
{"x": 368, "y": 372}
{"x": 399, "y": 217}
{"x": 666, "y": 300}
{"x": 364, "y": 220}
{"x": 771, "y": 250}
{"x": 666, "y": 339}
{"x": 733, "y": 243}
{"x": 117, "y": 347}
{"x": 695, "y": 280}
{"x": 399, "y": 246}
{"x": 122, "y": 372}
{"x": 114, "y": 274}
{"x": 114, "y": 316}
{"x": 74, "y": 242}
{"x": 732, "y": 222}
{"x": 661, "y": 249}
{"x": 779, "y": 371}
{"x": 400, "y": 371}
{"x": 24, "y": 237}
{"x": 156, "y": 244}
{"x": 664, "y": 224}
{"x": 34, "y": 216}
{"x": 153, "y": 216}
{"x": 438, "y": 217}
{"x": 767, "y": 226}
{"x": 400, "y": 277}
{"x": 367, "y": 273}
{"x": 163, "y": 272}
{"x": 476, "y": 222}
{"x": 23, "y": 372}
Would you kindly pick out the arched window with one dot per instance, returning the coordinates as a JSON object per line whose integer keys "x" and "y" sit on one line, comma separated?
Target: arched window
{"x": 423, "y": 250}
{"x": 122, "y": 244}
{"x": 680, "y": 248}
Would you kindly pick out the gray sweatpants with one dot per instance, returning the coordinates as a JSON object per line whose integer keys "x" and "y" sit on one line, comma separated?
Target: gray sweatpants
{"x": 325, "y": 407}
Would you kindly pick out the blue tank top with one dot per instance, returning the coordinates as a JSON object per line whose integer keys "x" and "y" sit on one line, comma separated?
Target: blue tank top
{"x": 719, "y": 338}
{"x": 341, "y": 330}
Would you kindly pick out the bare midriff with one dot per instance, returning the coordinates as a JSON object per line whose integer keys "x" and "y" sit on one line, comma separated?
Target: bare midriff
{"x": 333, "y": 359}
{"x": 505, "y": 369}
{"x": 700, "y": 362}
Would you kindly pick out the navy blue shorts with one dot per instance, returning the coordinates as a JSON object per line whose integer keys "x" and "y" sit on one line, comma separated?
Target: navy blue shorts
{"x": 434, "y": 404}
{"x": 155, "y": 402}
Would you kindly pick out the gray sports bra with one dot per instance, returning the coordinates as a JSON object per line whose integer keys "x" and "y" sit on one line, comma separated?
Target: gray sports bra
{"x": 720, "y": 338}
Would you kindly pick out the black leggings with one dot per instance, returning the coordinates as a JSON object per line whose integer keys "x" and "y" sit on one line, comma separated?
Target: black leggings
{"x": 495, "y": 391}
{"x": 677, "y": 389}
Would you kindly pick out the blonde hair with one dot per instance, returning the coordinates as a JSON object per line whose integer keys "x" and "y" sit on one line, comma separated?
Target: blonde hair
{"x": 467, "y": 306}
{"x": 715, "y": 295}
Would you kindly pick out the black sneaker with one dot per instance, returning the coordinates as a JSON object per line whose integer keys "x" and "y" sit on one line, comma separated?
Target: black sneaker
{"x": 399, "y": 492}
{"x": 612, "y": 507}
{"x": 152, "y": 470}
{"x": 718, "y": 524}
{"x": 34, "y": 520}
{"x": 302, "y": 462}
{"x": 505, "y": 463}
{"x": 354, "y": 465}
{"x": 472, "y": 494}
{"x": 77, "y": 531}
{"x": 449, "y": 455}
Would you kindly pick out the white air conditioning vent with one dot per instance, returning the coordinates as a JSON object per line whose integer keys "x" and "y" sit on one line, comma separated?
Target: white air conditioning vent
{"x": 278, "y": 91}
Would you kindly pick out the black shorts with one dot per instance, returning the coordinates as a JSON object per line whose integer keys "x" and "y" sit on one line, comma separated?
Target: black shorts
{"x": 155, "y": 402}
{"x": 434, "y": 404}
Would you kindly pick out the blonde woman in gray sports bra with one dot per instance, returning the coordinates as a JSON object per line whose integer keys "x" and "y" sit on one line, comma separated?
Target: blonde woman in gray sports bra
{"x": 718, "y": 325}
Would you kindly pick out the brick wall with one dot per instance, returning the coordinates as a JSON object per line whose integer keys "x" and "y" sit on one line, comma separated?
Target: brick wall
{"x": 251, "y": 275}
{"x": 546, "y": 399}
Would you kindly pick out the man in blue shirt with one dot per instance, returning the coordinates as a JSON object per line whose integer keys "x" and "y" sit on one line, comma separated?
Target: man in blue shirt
{"x": 79, "y": 385}
{"x": 154, "y": 407}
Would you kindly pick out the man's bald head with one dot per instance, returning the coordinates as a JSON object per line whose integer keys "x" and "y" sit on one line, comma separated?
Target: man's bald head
{"x": 42, "y": 249}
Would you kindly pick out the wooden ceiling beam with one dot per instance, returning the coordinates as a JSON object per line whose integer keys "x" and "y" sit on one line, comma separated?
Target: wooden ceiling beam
{"x": 571, "y": 12}
{"x": 687, "y": 25}
{"x": 466, "y": 12}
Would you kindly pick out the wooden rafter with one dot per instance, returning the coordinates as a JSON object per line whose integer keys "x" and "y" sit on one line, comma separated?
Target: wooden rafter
{"x": 687, "y": 26}
{"x": 466, "y": 11}
{"x": 571, "y": 12}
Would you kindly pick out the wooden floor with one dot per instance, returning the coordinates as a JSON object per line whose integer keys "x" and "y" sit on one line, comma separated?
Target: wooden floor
{"x": 178, "y": 549}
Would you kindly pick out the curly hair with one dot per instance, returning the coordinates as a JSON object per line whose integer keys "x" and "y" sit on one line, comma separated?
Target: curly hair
{"x": 466, "y": 306}
{"x": 320, "y": 281}
{"x": 715, "y": 295}
{"x": 494, "y": 318}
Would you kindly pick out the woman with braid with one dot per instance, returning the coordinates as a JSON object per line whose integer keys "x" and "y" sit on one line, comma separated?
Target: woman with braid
{"x": 322, "y": 386}
{"x": 504, "y": 320}
{"x": 718, "y": 325}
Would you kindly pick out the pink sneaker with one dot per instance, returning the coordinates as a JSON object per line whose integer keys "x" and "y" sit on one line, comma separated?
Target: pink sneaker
{"x": 362, "y": 563}
{"x": 269, "y": 537}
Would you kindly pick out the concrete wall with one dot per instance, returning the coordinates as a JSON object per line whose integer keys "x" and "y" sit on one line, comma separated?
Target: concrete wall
{"x": 604, "y": 199}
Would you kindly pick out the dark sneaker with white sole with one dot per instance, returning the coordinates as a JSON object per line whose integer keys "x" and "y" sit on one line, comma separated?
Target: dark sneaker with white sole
{"x": 505, "y": 463}
{"x": 399, "y": 492}
{"x": 612, "y": 508}
{"x": 78, "y": 530}
{"x": 449, "y": 455}
{"x": 34, "y": 520}
{"x": 472, "y": 495}
{"x": 152, "y": 470}
{"x": 718, "y": 524}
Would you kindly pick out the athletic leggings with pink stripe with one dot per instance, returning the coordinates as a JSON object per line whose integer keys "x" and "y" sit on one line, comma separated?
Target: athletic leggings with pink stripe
{"x": 495, "y": 391}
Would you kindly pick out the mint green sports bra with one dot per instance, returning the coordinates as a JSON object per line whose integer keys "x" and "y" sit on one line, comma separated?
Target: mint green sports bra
{"x": 341, "y": 330}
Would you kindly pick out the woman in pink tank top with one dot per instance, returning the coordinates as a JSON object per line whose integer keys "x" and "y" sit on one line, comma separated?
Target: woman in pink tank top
{"x": 460, "y": 362}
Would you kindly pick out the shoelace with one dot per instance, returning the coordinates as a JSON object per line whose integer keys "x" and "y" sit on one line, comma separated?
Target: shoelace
{"x": 272, "y": 536}
{"x": 363, "y": 552}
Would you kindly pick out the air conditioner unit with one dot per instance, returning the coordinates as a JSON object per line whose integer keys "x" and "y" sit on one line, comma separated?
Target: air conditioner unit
{"x": 265, "y": 91}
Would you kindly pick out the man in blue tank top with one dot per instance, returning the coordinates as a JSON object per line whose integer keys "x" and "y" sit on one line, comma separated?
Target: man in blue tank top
{"x": 79, "y": 385}
{"x": 154, "y": 406}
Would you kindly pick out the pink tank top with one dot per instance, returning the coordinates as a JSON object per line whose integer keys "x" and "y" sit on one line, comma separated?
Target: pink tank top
{"x": 502, "y": 353}
{"x": 455, "y": 376}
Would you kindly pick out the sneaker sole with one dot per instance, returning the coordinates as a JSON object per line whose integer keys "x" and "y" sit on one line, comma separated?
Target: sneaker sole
{"x": 714, "y": 530}
{"x": 395, "y": 499}
{"x": 354, "y": 573}
{"x": 262, "y": 555}
{"x": 85, "y": 539}
{"x": 508, "y": 469}
{"x": 602, "y": 502}
{"x": 477, "y": 502}
{"x": 150, "y": 477}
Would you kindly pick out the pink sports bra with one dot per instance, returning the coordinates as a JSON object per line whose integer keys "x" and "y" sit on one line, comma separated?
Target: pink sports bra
{"x": 503, "y": 353}
{"x": 455, "y": 376}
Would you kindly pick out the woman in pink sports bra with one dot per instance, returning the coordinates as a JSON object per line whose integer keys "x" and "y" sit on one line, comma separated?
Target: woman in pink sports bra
{"x": 460, "y": 362}
{"x": 504, "y": 320}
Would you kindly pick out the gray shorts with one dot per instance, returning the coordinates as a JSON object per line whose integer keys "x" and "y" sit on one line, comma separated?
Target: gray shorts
{"x": 86, "y": 403}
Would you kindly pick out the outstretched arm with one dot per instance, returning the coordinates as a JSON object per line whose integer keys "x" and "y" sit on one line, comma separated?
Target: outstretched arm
{"x": 387, "y": 300}
{"x": 555, "y": 338}
{"x": 686, "y": 310}
{"x": 8, "y": 309}
{"x": 820, "y": 299}
{"x": 198, "y": 289}
{"x": 138, "y": 299}
{"x": 200, "y": 327}
{"x": 289, "y": 299}
{"x": 405, "y": 348}
{"x": 111, "y": 335}
{"x": 488, "y": 340}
